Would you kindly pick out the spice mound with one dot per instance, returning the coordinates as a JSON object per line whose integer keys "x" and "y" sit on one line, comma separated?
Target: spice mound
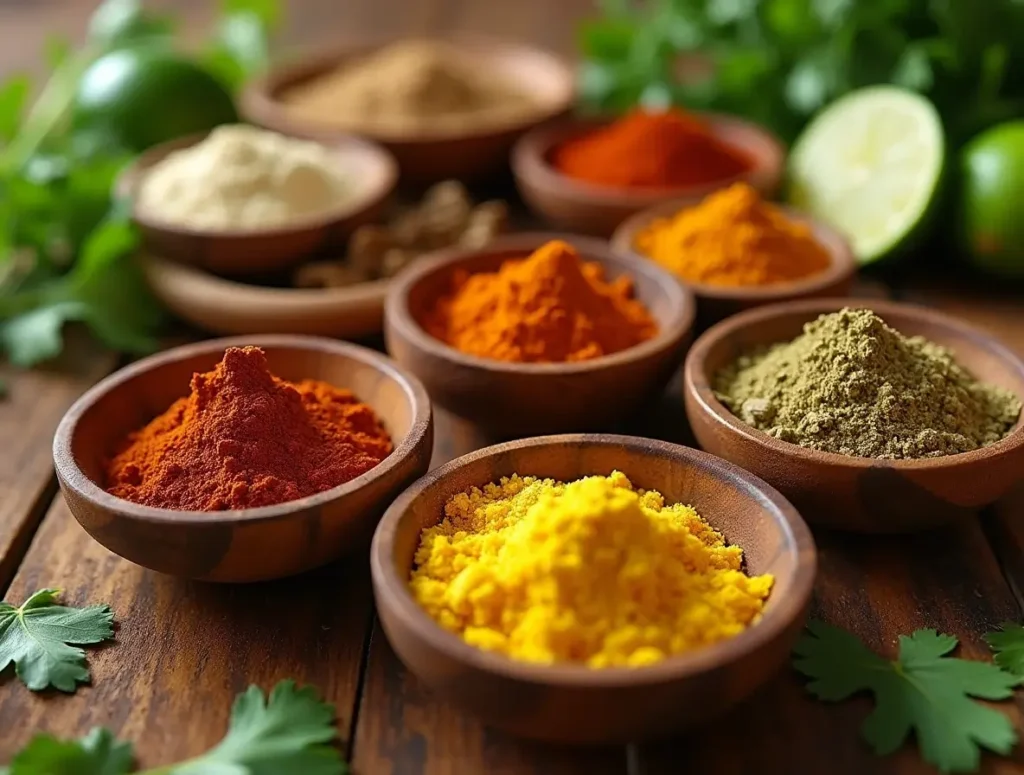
{"x": 852, "y": 385}
{"x": 733, "y": 238}
{"x": 243, "y": 177}
{"x": 245, "y": 438}
{"x": 650, "y": 150}
{"x": 549, "y": 307}
{"x": 593, "y": 572}
{"x": 413, "y": 85}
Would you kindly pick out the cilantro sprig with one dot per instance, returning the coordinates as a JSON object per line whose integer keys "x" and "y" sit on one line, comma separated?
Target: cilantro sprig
{"x": 291, "y": 732}
{"x": 35, "y": 638}
{"x": 923, "y": 691}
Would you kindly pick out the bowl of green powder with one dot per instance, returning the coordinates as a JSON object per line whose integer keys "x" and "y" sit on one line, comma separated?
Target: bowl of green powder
{"x": 879, "y": 417}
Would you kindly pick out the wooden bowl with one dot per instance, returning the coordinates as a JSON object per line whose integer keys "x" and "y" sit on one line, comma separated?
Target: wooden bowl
{"x": 578, "y": 206}
{"x": 570, "y": 703}
{"x": 522, "y": 399}
{"x": 369, "y": 167}
{"x": 715, "y": 302}
{"x": 245, "y": 544}
{"x": 228, "y": 307}
{"x": 853, "y": 493}
{"x": 442, "y": 153}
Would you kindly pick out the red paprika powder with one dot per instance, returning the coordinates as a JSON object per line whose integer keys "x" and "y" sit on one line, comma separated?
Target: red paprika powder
{"x": 245, "y": 438}
{"x": 650, "y": 150}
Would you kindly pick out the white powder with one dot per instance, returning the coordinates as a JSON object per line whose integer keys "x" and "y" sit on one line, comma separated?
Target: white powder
{"x": 242, "y": 177}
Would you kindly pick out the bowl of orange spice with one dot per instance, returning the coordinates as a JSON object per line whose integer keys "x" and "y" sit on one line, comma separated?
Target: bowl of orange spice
{"x": 736, "y": 251}
{"x": 538, "y": 333}
{"x": 589, "y": 175}
{"x": 243, "y": 459}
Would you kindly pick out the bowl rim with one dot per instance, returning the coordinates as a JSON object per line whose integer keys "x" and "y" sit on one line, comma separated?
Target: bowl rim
{"x": 397, "y": 313}
{"x": 70, "y": 473}
{"x": 776, "y": 618}
{"x": 259, "y": 97}
{"x": 529, "y": 162}
{"x": 131, "y": 177}
{"x": 843, "y": 264}
{"x": 697, "y": 384}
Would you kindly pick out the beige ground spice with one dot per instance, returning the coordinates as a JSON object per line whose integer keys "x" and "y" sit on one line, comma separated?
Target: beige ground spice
{"x": 850, "y": 384}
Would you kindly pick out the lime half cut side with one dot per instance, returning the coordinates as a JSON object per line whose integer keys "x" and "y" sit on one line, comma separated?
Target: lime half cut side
{"x": 869, "y": 165}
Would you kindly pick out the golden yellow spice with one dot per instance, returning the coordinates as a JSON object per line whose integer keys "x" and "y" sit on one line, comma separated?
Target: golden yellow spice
{"x": 593, "y": 572}
{"x": 733, "y": 238}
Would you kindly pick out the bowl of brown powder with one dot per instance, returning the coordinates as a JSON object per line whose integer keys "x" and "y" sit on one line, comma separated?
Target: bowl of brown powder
{"x": 878, "y": 417}
{"x": 445, "y": 108}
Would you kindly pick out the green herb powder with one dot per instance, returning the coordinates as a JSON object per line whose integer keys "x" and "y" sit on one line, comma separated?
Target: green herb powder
{"x": 850, "y": 384}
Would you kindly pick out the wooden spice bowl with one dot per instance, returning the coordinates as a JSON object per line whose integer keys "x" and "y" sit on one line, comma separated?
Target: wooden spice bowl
{"x": 366, "y": 166}
{"x": 229, "y": 307}
{"x": 853, "y": 493}
{"x": 571, "y": 703}
{"x": 246, "y": 544}
{"x": 716, "y": 302}
{"x": 587, "y": 208}
{"x": 522, "y": 399}
{"x": 467, "y": 154}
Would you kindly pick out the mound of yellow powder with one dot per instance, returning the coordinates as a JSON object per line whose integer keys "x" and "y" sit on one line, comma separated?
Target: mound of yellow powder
{"x": 595, "y": 572}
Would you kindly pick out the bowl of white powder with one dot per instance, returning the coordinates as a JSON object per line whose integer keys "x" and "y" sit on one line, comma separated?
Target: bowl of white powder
{"x": 242, "y": 200}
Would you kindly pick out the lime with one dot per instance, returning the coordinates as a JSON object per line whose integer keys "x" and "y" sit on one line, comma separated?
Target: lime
{"x": 147, "y": 96}
{"x": 992, "y": 171}
{"x": 869, "y": 165}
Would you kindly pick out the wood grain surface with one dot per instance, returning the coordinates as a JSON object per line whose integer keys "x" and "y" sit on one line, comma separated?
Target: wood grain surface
{"x": 184, "y": 649}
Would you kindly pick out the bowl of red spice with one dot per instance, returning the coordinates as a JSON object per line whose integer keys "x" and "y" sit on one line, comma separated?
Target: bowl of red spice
{"x": 589, "y": 175}
{"x": 243, "y": 459}
{"x": 538, "y": 333}
{"x": 735, "y": 251}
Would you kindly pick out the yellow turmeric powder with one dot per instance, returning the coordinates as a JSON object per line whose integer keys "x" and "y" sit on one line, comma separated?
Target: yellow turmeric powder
{"x": 593, "y": 572}
{"x": 546, "y": 308}
{"x": 733, "y": 238}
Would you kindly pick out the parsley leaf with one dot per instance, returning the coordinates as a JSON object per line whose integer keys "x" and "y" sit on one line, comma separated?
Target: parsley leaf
{"x": 35, "y": 638}
{"x": 923, "y": 691}
{"x": 290, "y": 732}
{"x": 1007, "y": 646}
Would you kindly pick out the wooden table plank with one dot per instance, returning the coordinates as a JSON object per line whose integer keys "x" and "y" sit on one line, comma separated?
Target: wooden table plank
{"x": 183, "y": 649}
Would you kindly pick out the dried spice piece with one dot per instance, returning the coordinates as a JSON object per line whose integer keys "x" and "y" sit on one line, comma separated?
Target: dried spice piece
{"x": 852, "y": 385}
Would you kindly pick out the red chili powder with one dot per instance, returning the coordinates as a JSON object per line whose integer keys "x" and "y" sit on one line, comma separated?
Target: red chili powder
{"x": 650, "y": 150}
{"x": 245, "y": 438}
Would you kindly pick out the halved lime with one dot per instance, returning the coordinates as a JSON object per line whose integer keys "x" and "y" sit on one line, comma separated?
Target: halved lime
{"x": 869, "y": 165}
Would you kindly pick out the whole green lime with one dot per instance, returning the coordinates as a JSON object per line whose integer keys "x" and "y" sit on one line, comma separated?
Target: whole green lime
{"x": 992, "y": 193}
{"x": 145, "y": 96}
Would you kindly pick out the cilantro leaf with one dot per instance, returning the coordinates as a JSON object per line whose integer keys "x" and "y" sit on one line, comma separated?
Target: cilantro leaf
{"x": 289, "y": 733}
{"x": 1007, "y": 646}
{"x": 923, "y": 691}
{"x": 35, "y": 638}
{"x": 98, "y": 753}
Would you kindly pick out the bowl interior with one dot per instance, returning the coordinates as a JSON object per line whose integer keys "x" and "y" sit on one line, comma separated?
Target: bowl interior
{"x": 749, "y": 513}
{"x": 648, "y": 286}
{"x": 148, "y": 388}
{"x": 985, "y": 358}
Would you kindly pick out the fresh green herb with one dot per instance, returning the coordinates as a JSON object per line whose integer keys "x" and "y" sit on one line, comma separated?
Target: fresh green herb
{"x": 923, "y": 691}
{"x": 35, "y": 638}
{"x": 66, "y": 244}
{"x": 292, "y": 732}
{"x": 778, "y": 61}
{"x": 1007, "y": 646}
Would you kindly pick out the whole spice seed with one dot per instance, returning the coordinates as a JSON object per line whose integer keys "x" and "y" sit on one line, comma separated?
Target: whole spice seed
{"x": 594, "y": 572}
{"x": 733, "y": 238}
{"x": 546, "y": 308}
{"x": 650, "y": 150}
{"x": 852, "y": 385}
{"x": 245, "y": 438}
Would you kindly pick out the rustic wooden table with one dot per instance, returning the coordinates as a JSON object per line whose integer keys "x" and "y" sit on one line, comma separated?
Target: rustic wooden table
{"x": 183, "y": 650}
